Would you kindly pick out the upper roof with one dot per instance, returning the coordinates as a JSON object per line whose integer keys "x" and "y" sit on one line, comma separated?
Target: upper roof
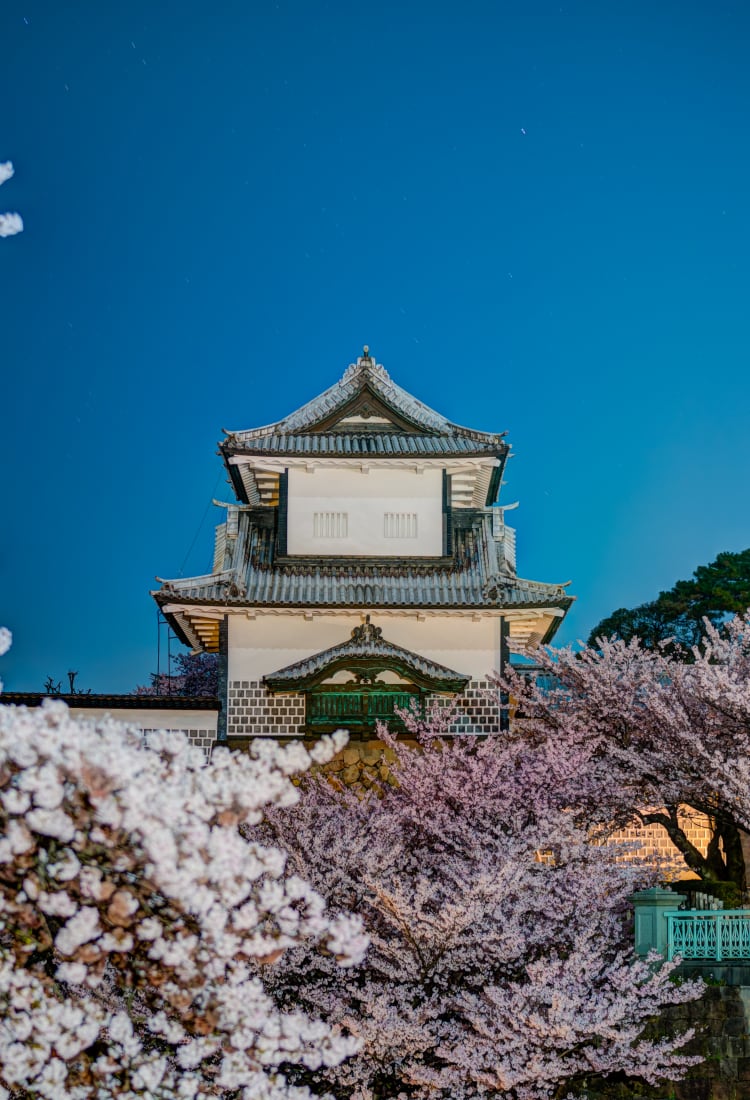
{"x": 365, "y": 413}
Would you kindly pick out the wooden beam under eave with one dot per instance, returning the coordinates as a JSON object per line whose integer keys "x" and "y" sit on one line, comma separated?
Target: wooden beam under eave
{"x": 207, "y": 631}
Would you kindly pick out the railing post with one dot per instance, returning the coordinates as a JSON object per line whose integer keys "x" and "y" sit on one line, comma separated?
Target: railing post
{"x": 504, "y": 662}
{"x": 650, "y": 921}
{"x": 670, "y": 937}
{"x": 717, "y": 924}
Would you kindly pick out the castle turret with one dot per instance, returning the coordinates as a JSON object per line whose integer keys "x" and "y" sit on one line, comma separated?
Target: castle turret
{"x": 363, "y": 508}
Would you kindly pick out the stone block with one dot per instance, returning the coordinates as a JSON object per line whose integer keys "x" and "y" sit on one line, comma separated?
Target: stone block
{"x": 735, "y": 1025}
{"x": 734, "y": 1048}
{"x": 372, "y": 752}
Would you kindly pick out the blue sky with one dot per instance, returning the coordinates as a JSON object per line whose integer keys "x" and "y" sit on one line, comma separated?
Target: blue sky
{"x": 536, "y": 214}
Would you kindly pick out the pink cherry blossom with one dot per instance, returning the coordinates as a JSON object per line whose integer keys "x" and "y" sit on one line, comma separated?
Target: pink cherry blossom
{"x": 655, "y": 737}
{"x": 501, "y": 960}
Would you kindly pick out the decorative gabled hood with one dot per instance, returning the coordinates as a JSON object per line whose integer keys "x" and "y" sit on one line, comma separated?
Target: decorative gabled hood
{"x": 366, "y": 654}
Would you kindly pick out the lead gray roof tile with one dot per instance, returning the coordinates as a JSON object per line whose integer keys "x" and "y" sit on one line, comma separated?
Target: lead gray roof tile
{"x": 471, "y": 578}
{"x": 344, "y": 443}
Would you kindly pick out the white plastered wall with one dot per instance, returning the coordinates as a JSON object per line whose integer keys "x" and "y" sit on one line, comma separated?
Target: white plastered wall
{"x": 199, "y": 726}
{"x": 365, "y": 496}
{"x": 152, "y": 719}
{"x": 268, "y": 643}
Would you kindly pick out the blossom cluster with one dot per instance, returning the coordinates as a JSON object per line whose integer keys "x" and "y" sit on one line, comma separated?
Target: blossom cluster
{"x": 501, "y": 960}
{"x": 135, "y": 918}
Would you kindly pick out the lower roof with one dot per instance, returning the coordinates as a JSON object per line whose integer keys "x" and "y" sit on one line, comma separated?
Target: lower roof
{"x": 474, "y": 577}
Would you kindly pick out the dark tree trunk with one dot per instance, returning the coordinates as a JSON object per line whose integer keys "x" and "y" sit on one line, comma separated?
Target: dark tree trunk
{"x": 723, "y": 865}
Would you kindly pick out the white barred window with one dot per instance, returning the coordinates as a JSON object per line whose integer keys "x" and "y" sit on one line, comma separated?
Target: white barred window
{"x": 330, "y": 525}
{"x": 400, "y": 525}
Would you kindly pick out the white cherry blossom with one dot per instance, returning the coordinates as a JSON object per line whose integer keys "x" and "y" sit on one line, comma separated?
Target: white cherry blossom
{"x": 126, "y": 877}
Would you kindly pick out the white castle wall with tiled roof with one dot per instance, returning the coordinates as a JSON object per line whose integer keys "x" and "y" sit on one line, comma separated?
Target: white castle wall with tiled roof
{"x": 365, "y": 496}
{"x": 199, "y": 726}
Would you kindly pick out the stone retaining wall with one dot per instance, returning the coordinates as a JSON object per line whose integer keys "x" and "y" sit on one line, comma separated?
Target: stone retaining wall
{"x": 722, "y": 1019}
{"x": 363, "y": 763}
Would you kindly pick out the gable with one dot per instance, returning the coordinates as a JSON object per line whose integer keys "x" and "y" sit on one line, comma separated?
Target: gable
{"x": 368, "y": 409}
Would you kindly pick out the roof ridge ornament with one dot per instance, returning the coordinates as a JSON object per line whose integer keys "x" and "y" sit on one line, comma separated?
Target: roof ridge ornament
{"x": 366, "y": 364}
{"x": 366, "y": 632}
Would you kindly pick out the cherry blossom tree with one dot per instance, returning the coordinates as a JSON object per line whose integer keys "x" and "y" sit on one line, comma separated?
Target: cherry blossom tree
{"x": 197, "y": 674}
{"x": 657, "y": 738}
{"x": 135, "y": 919}
{"x": 501, "y": 959}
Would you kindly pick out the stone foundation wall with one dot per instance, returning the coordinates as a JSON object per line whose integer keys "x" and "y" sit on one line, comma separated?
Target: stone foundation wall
{"x": 362, "y": 764}
{"x": 722, "y": 1022}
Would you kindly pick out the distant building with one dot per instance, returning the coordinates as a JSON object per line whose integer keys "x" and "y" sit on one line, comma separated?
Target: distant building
{"x": 364, "y": 562}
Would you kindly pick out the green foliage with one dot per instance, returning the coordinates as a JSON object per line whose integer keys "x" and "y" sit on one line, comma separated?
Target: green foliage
{"x": 715, "y": 591}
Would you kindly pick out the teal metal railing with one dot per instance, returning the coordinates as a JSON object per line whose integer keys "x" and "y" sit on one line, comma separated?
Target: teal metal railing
{"x": 702, "y": 934}
{"x": 356, "y": 709}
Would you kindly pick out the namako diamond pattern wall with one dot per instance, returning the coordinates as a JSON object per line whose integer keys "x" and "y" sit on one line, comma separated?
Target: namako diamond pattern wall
{"x": 255, "y": 711}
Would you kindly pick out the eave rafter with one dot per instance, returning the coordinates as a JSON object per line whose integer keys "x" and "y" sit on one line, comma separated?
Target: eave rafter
{"x": 474, "y": 480}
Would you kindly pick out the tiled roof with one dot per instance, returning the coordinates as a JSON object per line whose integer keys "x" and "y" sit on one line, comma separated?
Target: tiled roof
{"x": 474, "y": 577}
{"x": 365, "y": 645}
{"x": 114, "y": 702}
{"x": 364, "y": 372}
{"x": 367, "y": 391}
{"x": 352, "y": 443}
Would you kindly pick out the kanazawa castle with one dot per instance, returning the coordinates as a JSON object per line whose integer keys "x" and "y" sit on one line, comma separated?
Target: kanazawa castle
{"x": 365, "y": 562}
{"x": 364, "y": 566}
